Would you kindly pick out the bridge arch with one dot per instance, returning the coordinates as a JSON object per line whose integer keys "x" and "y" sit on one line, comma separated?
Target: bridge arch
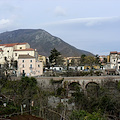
{"x": 73, "y": 85}
{"x": 92, "y": 83}
{"x": 92, "y": 88}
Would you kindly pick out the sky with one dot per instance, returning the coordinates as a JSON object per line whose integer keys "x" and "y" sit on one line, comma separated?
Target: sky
{"x": 91, "y": 25}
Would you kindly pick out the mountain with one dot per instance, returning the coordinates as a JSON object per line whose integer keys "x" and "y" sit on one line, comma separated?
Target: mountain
{"x": 43, "y": 41}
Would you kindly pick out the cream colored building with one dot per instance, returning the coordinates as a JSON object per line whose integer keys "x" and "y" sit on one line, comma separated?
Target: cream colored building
{"x": 68, "y": 60}
{"x": 29, "y": 66}
{"x": 42, "y": 59}
{"x": 13, "y": 50}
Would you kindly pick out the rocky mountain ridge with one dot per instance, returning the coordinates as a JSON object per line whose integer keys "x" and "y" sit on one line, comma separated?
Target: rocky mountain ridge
{"x": 43, "y": 41}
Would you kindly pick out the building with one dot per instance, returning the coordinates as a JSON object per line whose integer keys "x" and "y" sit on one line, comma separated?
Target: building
{"x": 13, "y": 50}
{"x": 20, "y": 52}
{"x": 42, "y": 59}
{"x": 71, "y": 61}
{"x": 29, "y": 66}
{"x": 114, "y": 59}
{"x": 114, "y": 62}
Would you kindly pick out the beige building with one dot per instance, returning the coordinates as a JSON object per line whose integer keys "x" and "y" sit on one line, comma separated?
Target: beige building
{"x": 69, "y": 60}
{"x": 13, "y": 50}
{"x": 42, "y": 59}
{"x": 29, "y": 66}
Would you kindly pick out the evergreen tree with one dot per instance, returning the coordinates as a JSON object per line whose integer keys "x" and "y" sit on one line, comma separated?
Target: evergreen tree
{"x": 55, "y": 57}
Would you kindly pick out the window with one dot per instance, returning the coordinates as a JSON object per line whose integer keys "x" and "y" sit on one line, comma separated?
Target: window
{"x": 23, "y": 71}
{"x": 20, "y": 47}
{"x": 8, "y": 51}
{"x": 80, "y": 68}
{"x": 30, "y": 60}
{"x": 38, "y": 65}
{"x": 30, "y": 65}
{"x": 15, "y": 54}
{"x": 5, "y": 58}
{"x": 23, "y": 61}
{"x": 23, "y": 66}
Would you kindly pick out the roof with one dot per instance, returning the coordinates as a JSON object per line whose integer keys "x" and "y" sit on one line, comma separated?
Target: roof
{"x": 25, "y": 56}
{"x": 12, "y": 44}
{"x": 113, "y": 52}
{"x": 27, "y": 49}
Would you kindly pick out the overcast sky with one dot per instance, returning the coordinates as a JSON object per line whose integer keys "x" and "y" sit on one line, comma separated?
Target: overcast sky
{"x": 91, "y": 25}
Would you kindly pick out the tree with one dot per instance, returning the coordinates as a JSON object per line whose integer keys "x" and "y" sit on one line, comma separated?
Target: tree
{"x": 82, "y": 59}
{"x": 27, "y": 90}
{"x": 8, "y": 68}
{"x": 97, "y": 60}
{"x": 90, "y": 61}
{"x": 72, "y": 62}
{"x": 56, "y": 58}
{"x": 83, "y": 115}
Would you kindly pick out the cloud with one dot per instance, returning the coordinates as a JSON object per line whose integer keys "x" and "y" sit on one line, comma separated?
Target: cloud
{"x": 7, "y": 24}
{"x": 4, "y": 22}
{"x": 59, "y": 11}
{"x": 87, "y": 21}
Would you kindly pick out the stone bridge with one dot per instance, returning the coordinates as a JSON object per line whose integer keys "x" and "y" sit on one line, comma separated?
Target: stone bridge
{"x": 82, "y": 81}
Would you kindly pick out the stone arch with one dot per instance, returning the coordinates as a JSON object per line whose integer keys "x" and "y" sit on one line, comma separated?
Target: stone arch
{"x": 72, "y": 85}
{"x": 92, "y": 88}
{"x": 92, "y": 82}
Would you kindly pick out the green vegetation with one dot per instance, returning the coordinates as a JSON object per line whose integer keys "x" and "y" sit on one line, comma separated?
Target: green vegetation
{"x": 83, "y": 115}
{"x": 104, "y": 99}
{"x": 56, "y": 58}
{"x": 16, "y": 94}
{"x": 94, "y": 102}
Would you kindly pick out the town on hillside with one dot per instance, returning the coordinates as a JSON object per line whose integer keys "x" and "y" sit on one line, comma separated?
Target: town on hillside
{"x": 19, "y": 59}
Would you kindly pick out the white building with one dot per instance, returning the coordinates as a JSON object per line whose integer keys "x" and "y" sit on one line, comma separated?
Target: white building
{"x": 115, "y": 60}
{"x": 13, "y": 50}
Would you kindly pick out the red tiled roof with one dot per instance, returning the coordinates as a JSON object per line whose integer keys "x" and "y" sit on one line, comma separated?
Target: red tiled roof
{"x": 113, "y": 52}
{"x": 21, "y": 43}
{"x": 27, "y": 49}
{"x": 25, "y": 56}
{"x": 12, "y": 44}
{"x": 119, "y": 53}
